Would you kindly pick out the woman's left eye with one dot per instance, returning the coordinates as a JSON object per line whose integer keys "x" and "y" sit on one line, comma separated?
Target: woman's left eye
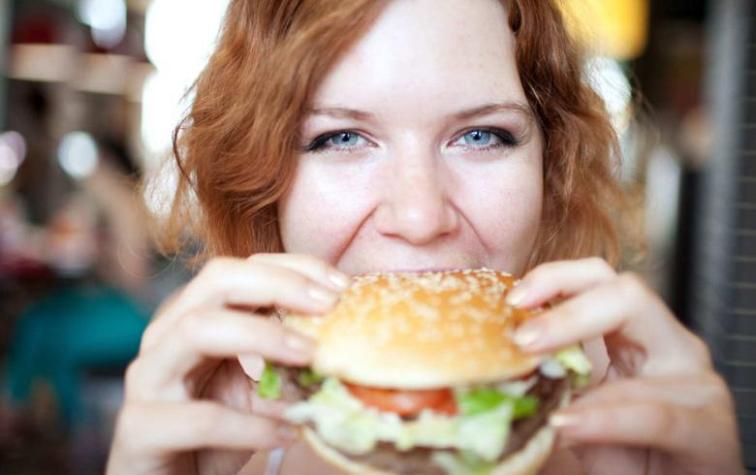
{"x": 344, "y": 140}
{"x": 486, "y": 139}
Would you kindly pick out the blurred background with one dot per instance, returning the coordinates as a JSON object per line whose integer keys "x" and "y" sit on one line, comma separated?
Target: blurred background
{"x": 91, "y": 89}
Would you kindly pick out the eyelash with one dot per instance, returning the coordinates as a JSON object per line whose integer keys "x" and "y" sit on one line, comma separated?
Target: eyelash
{"x": 506, "y": 138}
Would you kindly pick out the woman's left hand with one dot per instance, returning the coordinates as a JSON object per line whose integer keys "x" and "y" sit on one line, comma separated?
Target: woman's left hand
{"x": 660, "y": 408}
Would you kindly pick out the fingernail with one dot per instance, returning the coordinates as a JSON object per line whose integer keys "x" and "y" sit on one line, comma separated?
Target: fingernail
{"x": 517, "y": 296}
{"x": 526, "y": 335}
{"x": 321, "y": 295}
{"x": 298, "y": 343}
{"x": 563, "y": 420}
{"x": 252, "y": 365}
{"x": 341, "y": 281}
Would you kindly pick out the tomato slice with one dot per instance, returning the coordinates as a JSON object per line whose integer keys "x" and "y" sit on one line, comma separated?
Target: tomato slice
{"x": 449, "y": 408}
{"x": 405, "y": 403}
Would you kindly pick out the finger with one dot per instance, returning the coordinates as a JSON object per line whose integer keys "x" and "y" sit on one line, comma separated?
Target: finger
{"x": 595, "y": 350}
{"x": 310, "y": 266}
{"x": 623, "y": 305}
{"x": 212, "y": 335}
{"x": 634, "y": 423}
{"x": 230, "y": 281}
{"x": 559, "y": 279}
{"x": 272, "y": 408}
{"x": 693, "y": 392}
{"x": 196, "y": 425}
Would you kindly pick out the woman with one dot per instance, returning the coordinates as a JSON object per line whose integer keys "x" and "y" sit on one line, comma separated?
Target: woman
{"x": 331, "y": 138}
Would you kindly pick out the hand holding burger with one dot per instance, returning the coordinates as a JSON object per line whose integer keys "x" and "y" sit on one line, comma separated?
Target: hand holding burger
{"x": 660, "y": 407}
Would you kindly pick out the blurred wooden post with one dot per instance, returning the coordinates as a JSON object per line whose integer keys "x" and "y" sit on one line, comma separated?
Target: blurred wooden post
{"x": 722, "y": 292}
{"x": 5, "y": 24}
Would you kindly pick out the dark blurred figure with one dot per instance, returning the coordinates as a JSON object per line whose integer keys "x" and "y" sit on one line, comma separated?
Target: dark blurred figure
{"x": 84, "y": 330}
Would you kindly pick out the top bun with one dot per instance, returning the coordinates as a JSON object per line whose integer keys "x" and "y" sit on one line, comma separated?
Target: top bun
{"x": 420, "y": 330}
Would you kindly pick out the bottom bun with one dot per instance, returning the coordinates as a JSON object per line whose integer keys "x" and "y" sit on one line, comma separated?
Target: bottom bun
{"x": 529, "y": 459}
{"x": 526, "y": 461}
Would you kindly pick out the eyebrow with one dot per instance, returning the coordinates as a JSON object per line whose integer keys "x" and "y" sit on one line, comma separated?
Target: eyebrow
{"x": 342, "y": 113}
{"x": 485, "y": 109}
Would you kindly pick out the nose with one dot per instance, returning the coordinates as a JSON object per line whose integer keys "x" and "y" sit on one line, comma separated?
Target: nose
{"x": 415, "y": 204}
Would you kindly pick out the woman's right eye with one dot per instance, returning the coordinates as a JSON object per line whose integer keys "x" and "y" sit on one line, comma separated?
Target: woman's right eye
{"x": 344, "y": 140}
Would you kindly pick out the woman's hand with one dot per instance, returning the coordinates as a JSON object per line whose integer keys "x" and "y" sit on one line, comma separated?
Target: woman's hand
{"x": 189, "y": 406}
{"x": 661, "y": 408}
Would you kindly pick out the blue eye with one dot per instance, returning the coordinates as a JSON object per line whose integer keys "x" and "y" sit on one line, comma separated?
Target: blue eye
{"x": 344, "y": 140}
{"x": 484, "y": 139}
{"x": 478, "y": 137}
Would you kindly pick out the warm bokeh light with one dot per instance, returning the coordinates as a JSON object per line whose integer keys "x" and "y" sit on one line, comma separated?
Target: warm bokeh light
{"x": 614, "y": 28}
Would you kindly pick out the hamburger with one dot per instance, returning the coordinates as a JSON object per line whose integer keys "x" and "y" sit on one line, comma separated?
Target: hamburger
{"x": 417, "y": 373}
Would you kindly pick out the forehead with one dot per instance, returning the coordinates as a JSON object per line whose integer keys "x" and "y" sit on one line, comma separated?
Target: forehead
{"x": 428, "y": 53}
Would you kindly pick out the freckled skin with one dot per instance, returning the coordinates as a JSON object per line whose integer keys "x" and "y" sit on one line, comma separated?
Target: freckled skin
{"x": 410, "y": 193}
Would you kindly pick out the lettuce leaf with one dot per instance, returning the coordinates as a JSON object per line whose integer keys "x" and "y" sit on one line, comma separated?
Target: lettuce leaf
{"x": 344, "y": 422}
{"x": 269, "y": 386}
{"x": 525, "y": 406}
{"x": 483, "y": 400}
{"x": 573, "y": 358}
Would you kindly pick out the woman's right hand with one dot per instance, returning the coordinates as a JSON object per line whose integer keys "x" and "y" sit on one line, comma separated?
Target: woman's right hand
{"x": 189, "y": 406}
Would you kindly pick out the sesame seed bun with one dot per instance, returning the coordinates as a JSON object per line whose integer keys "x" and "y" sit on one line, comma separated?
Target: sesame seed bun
{"x": 420, "y": 330}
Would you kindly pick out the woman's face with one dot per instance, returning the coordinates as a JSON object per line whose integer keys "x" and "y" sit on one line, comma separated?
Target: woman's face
{"x": 420, "y": 150}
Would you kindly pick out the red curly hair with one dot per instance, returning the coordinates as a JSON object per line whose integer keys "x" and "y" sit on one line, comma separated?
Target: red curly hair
{"x": 237, "y": 147}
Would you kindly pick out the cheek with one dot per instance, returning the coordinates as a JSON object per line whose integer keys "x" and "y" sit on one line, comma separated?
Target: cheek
{"x": 323, "y": 208}
{"x": 503, "y": 204}
{"x": 499, "y": 203}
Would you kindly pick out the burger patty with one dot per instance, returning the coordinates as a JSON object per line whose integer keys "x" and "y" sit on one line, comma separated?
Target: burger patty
{"x": 291, "y": 390}
{"x": 418, "y": 460}
{"x": 385, "y": 456}
{"x": 549, "y": 393}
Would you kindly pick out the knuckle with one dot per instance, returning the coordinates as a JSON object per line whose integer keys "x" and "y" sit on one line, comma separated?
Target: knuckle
{"x": 149, "y": 337}
{"x": 134, "y": 381}
{"x": 265, "y": 271}
{"x": 131, "y": 377}
{"x": 600, "y": 264}
{"x": 214, "y": 268}
{"x": 209, "y": 418}
{"x": 258, "y": 256}
{"x": 189, "y": 327}
{"x": 322, "y": 267}
{"x": 719, "y": 388}
{"x": 289, "y": 279}
{"x": 663, "y": 418}
{"x": 302, "y": 258}
{"x": 700, "y": 351}
{"x": 129, "y": 426}
{"x": 543, "y": 271}
{"x": 632, "y": 286}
